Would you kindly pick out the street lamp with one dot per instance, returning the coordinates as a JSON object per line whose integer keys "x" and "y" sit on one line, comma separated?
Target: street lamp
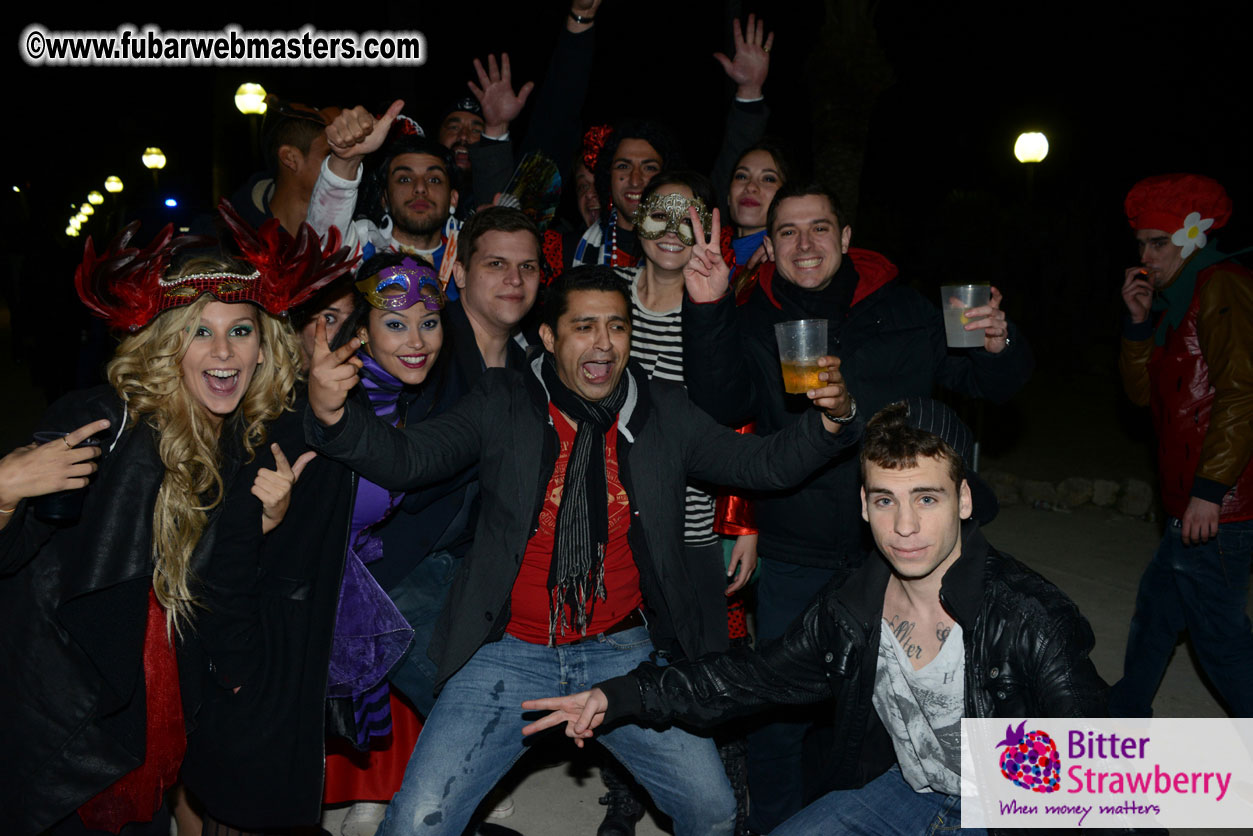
{"x": 1031, "y": 147}
{"x": 71, "y": 231}
{"x": 250, "y": 99}
{"x": 81, "y": 218}
{"x": 87, "y": 209}
{"x": 76, "y": 223}
{"x": 95, "y": 198}
{"x": 154, "y": 158}
{"x": 113, "y": 184}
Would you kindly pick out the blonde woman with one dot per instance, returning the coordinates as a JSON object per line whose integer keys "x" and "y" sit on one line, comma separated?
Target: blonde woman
{"x": 113, "y": 619}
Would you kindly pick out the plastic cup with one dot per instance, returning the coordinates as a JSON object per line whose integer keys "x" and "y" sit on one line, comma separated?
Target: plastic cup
{"x": 955, "y": 300}
{"x": 801, "y": 343}
{"x": 63, "y": 506}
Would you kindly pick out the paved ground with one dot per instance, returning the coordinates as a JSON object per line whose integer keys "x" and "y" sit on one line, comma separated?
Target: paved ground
{"x": 1058, "y": 428}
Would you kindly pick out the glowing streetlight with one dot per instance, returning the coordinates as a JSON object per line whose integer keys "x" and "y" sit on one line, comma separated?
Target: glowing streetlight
{"x": 95, "y": 198}
{"x": 71, "y": 231}
{"x": 250, "y": 99}
{"x": 76, "y": 223}
{"x": 87, "y": 209}
{"x": 1031, "y": 147}
{"x": 81, "y": 218}
{"x": 113, "y": 184}
{"x": 154, "y": 158}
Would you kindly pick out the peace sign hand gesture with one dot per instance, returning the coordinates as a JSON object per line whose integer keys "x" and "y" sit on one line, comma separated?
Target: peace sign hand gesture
{"x": 332, "y": 375}
{"x": 706, "y": 275}
{"x": 274, "y": 487}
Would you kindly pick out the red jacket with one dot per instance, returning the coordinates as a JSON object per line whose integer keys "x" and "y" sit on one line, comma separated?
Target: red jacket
{"x": 1200, "y": 386}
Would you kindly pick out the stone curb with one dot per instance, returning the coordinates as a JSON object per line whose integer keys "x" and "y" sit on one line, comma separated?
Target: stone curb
{"x": 1130, "y": 497}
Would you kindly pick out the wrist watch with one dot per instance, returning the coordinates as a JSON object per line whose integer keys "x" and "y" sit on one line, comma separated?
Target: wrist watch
{"x": 852, "y": 413}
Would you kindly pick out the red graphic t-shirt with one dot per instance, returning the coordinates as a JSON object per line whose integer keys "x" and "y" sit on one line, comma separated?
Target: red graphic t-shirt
{"x": 529, "y": 602}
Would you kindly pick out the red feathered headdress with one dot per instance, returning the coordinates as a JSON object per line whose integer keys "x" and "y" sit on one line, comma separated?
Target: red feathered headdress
{"x": 125, "y": 285}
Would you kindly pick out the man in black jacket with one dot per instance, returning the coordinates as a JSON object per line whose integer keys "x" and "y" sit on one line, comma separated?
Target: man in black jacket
{"x": 567, "y": 582}
{"x": 891, "y": 344}
{"x": 942, "y": 627}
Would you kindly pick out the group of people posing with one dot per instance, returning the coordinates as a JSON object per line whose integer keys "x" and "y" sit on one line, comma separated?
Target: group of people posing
{"x": 401, "y": 447}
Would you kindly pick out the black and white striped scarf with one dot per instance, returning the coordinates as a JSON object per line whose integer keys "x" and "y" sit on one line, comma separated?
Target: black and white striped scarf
{"x": 576, "y": 576}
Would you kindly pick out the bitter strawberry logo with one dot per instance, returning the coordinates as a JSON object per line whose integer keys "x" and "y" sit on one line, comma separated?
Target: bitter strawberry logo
{"x": 1030, "y": 759}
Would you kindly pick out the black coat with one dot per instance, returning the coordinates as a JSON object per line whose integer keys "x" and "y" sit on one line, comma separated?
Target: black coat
{"x": 73, "y": 607}
{"x": 256, "y": 758}
{"x": 1026, "y": 655}
{"x": 504, "y": 425}
{"x": 891, "y": 345}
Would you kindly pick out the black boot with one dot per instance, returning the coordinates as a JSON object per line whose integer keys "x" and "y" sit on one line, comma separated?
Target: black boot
{"x": 623, "y": 807}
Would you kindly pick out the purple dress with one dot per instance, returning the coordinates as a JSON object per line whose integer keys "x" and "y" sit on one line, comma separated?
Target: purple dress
{"x": 370, "y": 633}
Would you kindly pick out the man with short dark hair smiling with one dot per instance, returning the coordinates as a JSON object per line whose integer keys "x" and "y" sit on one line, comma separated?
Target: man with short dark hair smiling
{"x": 891, "y": 344}
{"x": 576, "y": 573}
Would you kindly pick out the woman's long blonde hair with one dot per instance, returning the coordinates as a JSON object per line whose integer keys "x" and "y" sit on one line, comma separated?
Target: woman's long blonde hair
{"x": 146, "y": 371}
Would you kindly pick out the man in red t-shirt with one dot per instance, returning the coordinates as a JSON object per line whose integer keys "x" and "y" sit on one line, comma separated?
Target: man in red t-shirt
{"x": 577, "y": 571}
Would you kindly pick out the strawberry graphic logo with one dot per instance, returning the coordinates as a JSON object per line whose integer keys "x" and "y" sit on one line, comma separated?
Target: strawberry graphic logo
{"x": 1030, "y": 759}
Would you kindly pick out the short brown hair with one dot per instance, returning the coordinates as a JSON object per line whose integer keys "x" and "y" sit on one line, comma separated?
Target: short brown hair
{"x": 494, "y": 219}
{"x": 894, "y": 443}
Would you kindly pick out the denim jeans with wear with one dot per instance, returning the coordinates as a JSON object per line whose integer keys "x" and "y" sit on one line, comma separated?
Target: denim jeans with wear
{"x": 887, "y": 806}
{"x": 474, "y": 735}
{"x": 1203, "y": 588}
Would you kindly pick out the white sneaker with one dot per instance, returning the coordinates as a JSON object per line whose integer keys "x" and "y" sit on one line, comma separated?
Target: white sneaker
{"x": 363, "y": 818}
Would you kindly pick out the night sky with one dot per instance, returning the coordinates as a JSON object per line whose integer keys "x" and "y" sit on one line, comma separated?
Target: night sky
{"x": 1122, "y": 93}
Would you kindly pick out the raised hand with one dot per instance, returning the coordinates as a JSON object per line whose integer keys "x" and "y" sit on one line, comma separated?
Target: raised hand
{"x": 332, "y": 375}
{"x": 273, "y": 487}
{"x": 356, "y": 132}
{"x": 57, "y": 465}
{"x": 992, "y": 320}
{"x": 1137, "y": 294}
{"x": 581, "y": 713}
{"x": 706, "y": 275}
{"x": 751, "y": 64}
{"x": 495, "y": 94}
{"x": 833, "y": 399}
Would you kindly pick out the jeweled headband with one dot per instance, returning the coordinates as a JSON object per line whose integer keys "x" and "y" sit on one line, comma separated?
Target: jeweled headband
{"x": 419, "y": 283}
{"x": 675, "y": 207}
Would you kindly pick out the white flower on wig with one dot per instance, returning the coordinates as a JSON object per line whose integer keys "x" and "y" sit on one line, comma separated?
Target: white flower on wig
{"x": 1191, "y": 236}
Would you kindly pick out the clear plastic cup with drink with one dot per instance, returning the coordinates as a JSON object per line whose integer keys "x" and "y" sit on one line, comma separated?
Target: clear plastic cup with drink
{"x": 955, "y": 300}
{"x": 801, "y": 343}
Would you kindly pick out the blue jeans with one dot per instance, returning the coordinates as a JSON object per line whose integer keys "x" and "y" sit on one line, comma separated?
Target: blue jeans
{"x": 420, "y": 598}
{"x": 776, "y": 773}
{"x": 474, "y": 735}
{"x": 1202, "y": 588}
{"x": 887, "y": 806}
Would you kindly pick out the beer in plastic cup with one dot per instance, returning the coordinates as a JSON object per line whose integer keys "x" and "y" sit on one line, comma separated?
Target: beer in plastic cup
{"x": 801, "y": 343}
{"x": 955, "y": 300}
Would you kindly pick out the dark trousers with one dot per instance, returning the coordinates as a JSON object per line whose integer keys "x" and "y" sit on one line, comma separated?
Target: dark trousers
{"x": 776, "y": 774}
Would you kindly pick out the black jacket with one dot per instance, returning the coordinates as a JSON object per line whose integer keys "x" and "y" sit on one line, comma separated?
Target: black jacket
{"x": 504, "y": 425}
{"x": 1026, "y": 655}
{"x": 891, "y": 344}
{"x": 73, "y": 607}
{"x": 256, "y": 757}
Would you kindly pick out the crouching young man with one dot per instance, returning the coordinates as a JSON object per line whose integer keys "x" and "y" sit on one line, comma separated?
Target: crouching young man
{"x": 940, "y": 626}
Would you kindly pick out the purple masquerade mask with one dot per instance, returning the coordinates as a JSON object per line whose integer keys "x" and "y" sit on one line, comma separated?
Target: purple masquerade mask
{"x": 418, "y": 283}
